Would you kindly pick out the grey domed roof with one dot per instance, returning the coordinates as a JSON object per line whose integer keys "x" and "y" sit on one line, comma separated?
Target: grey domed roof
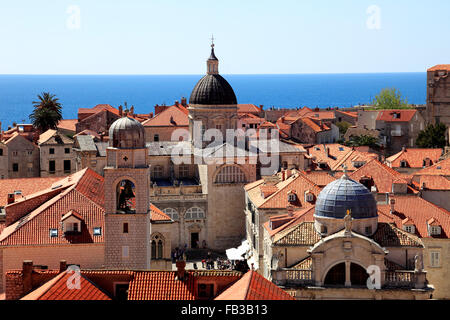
{"x": 212, "y": 89}
{"x": 127, "y": 133}
{"x": 344, "y": 194}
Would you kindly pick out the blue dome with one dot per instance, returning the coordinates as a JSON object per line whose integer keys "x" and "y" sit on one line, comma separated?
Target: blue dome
{"x": 345, "y": 194}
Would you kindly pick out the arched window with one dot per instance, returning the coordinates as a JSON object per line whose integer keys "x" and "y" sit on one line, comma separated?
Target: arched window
{"x": 157, "y": 246}
{"x": 126, "y": 197}
{"x": 230, "y": 174}
{"x": 172, "y": 213}
{"x": 157, "y": 172}
{"x": 194, "y": 213}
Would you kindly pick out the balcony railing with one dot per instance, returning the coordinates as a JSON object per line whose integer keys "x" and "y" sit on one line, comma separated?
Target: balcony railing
{"x": 293, "y": 277}
{"x": 400, "y": 279}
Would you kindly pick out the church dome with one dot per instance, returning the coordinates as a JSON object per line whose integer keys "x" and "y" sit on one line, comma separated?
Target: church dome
{"x": 345, "y": 194}
{"x": 213, "y": 89}
{"x": 127, "y": 133}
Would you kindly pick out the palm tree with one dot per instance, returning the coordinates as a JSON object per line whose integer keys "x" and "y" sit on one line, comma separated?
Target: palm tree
{"x": 47, "y": 112}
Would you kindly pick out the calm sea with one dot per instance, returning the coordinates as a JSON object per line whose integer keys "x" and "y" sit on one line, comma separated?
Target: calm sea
{"x": 289, "y": 91}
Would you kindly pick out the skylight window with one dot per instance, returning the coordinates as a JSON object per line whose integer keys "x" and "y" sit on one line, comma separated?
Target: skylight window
{"x": 97, "y": 231}
{"x": 53, "y": 233}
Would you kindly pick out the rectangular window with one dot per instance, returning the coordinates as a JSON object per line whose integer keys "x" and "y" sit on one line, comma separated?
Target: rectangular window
{"x": 66, "y": 150}
{"x": 156, "y": 137}
{"x": 183, "y": 171}
{"x": 435, "y": 257}
{"x": 125, "y": 227}
{"x": 15, "y": 167}
{"x": 368, "y": 230}
{"x": 97, "y": 231}
{"x": 125, "y": 251}
{"x": 51, "y": 166}
{"x": 51, "y": 150}
{"x": 67, "y": 166}
{"x": 1, "y": 152}
{"x": 53, "y": 233}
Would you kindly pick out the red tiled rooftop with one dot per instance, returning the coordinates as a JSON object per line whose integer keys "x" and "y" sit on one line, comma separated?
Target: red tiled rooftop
{"x": 440, "y": 67}
{"x": 67, "y": 124}
{"x": 253, "y": 286}
{"x": 414, "y": 157}
{"x": 57, "y": 289}
{"x": 405, "y": 115}
{"x": 27, "y": 186}
{"x": 173, "y": 116}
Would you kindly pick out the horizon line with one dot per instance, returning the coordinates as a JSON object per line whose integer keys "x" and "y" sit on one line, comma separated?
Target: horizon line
{"x": 198, "y": 74}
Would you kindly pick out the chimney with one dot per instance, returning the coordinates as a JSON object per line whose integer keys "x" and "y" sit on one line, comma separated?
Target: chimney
{"x": 151, "y": 115}
{"x": 423, "y": 186}
{"x": 283, "y": 175}
{"x": 290, "y": 210}
{"x": 261, "y": 106}
{"x": 11, "y": 198}
{"x": 288, "y": 173}
{"x": 62, "y": 265}
{"x": 183, "y": 101}
{"x": 177, "y": 103}
{"x": 181, "y": 265}
{"x": 132, "y": 110}
{"x": 392, "y": 204}
{"x": 27, "y": 276}
{"x": 403, "y": 148}
{"x": 120, "y": 111}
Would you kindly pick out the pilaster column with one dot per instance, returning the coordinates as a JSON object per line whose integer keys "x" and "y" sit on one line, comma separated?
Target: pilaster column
{"x": 348, "y": 283}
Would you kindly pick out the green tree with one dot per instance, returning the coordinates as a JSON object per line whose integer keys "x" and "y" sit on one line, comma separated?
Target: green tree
{"x": 343, "y": 127}
{"x": 390, "y": 99}
{"x": 432, "y": 137}
{"x": 362, "y": 140}
{"x": 47, "y": 112}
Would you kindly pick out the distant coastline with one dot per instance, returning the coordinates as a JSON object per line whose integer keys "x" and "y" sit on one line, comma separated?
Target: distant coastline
{"x": 144, "y": 91}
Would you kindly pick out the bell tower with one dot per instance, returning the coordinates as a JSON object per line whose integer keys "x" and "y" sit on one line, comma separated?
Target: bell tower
{"x": 127, "y": 203}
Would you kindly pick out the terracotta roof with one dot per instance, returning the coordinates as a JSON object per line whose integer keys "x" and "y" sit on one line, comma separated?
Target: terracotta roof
{"x": 388, "y": 235}
{"x": 420, "y": 211}
{"x": 321, "y": 115}
{"x": 303, "y": 234}
{"x": 174, "y": 116}
{"x": 430, "y": 182}
{"x": 338, "y": 155}
{"x": 313, "y": 125}
{"x": 67, "y": 124}
{"x": 442, "y": 168}
{"x": 85, "y": 196}
{"x": 253, "y": 286}
{"x": 248, "y": 108}
{"x": 57, "y": 289}
{"x": 405, "y": 115}
{"x": 381, "y": 175}
{"x": 321, "y": 178}
{"x": 157, "y": 215}
{"x": 439, "y": 67}
{"x": 279, "y": 199}
{"x": 26, "y": 186}
{"x": 97, "y": 108}
{"x": 164, "y": 285}
{"x": 53, "y": 137}
{"x": 414, "y": 157}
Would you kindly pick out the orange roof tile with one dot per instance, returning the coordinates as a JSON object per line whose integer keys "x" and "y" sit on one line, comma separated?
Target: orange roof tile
{"x": 67, "y": 124}
{"x": 414, "y": 157}
{"x": 440, "y": 67}
{"x": 442, "y": 168}
{"x": 248, "y": 108}
{"x": 253, "y": 286}
{"x": 405, "y": 115}
{"x": 174, "y": 116}
{"x": 381, "y": 175}
{"x": 430, "y": 182}
{"x": 57, "y": 289}
{"x": 158, "y": 215}
{"x": 26, "y": 186}
{"x": 420, "y": 211}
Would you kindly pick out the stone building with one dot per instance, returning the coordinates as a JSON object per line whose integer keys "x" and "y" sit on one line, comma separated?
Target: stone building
{"x": 23, "y": 157}
{"x": 56, "y": 154}
{"x": 438, "y": 94}
{"x": 89, "y": 153}
{"x": 329, "y": 250}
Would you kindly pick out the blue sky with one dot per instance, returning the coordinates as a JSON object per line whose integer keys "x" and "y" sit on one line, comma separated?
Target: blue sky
{"x": 252, "y": 36}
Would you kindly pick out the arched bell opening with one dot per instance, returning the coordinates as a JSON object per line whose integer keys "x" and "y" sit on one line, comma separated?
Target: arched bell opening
{"x": 126, "y": 197}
